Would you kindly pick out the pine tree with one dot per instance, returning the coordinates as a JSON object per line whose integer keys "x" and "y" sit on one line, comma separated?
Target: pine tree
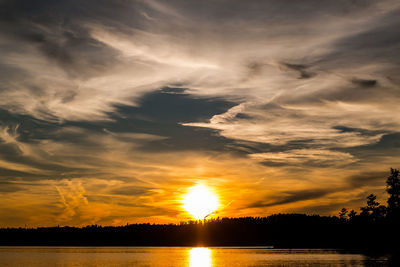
{"x": 393, "y": 189}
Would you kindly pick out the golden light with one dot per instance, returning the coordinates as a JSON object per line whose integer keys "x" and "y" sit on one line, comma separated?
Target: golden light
{"x": 200, "y": 257}
{"x": 200, "y": 201}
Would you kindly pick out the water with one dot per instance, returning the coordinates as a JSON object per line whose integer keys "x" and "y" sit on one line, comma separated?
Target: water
{"x": 180, "y": 256}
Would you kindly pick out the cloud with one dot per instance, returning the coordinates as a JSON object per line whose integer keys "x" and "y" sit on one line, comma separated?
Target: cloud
{"x": 130, "y": 190}
{"x": 301, "y": 69}
{"x": 305, "y": 157}
{"x": 127, "y": 101}
{"x": 87, "y": 53}
{"x": 364, "y": 83}
{"x": 291, "y": 197}
{"x": 367, "y": 179}
{"x": 275, "y": 124}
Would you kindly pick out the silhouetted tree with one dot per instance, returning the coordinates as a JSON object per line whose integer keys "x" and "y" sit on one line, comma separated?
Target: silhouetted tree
{"x": 371, "y": 205}
{"x": 379, "y": 212}
{"x": 373, "y": 210}
{"x": 343, "y": 213}
{"x": 352, "y": 214}
{"x": 393, "y": 189}
{"x": 371, "y": 202}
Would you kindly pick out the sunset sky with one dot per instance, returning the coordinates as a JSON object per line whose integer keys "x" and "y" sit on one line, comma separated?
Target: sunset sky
{"x": 110, "y": 111}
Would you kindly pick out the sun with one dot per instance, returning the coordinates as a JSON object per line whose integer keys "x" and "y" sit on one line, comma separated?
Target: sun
{"x": 200, "y": 201}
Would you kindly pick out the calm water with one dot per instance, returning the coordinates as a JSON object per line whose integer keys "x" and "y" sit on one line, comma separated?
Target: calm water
{"x": 178, "y": 256}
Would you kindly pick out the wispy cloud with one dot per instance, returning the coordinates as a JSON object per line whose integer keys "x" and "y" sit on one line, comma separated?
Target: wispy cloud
{"x": 120, "y": 104}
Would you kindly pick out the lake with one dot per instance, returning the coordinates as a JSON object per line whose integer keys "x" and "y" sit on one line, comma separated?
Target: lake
{"x": 181, "y": 256}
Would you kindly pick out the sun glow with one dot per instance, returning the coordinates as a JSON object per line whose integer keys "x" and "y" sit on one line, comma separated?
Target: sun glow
{"x": 200, "y": 201}
{"x": 200, "y": 257}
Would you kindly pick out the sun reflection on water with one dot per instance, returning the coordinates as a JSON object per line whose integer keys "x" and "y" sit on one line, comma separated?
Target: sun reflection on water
{"x": 200, "y": 257}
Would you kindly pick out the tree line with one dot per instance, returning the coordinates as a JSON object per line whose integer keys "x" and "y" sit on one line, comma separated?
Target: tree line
{"x": 375, "y": 227}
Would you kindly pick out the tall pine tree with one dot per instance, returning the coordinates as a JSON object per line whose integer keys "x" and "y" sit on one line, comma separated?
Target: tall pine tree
{"x": 393, "y": 189}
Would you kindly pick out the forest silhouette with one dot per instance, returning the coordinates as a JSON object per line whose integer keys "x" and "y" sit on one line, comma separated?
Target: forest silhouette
{"x": 375, "y": 227}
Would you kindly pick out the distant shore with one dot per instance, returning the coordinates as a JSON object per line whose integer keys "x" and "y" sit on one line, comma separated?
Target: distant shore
{"x": 278, "y": 231}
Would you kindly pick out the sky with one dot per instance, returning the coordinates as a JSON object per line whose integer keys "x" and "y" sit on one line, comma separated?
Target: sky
{"x": 111, "y": 110}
